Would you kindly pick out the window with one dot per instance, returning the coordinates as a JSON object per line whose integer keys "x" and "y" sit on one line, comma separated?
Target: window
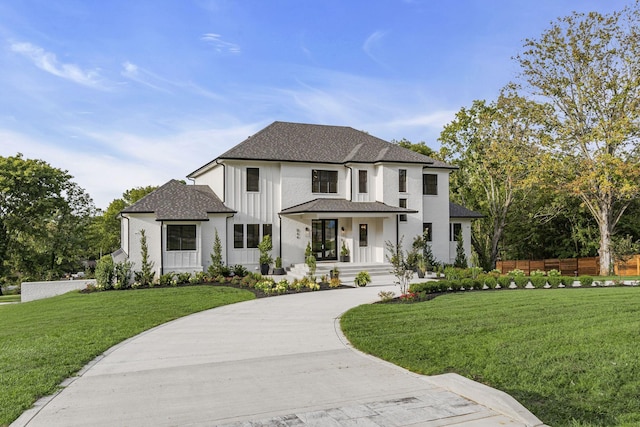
{"x": 364, "y": 235}
{"x": 238, "y": 236}
{"x": 430, "y": 184}
{"x": 454, "y": 231}
{"x": 267, "y": 230}
{"x": 324, "y": 181}
{"x": 181, "y": 237}
{"x": 362, "y": 181}
{"x": 403, "y": 204}
{"x": 427, "y": 231}
{"x": 402, "y": 180}
{"x": 253, "y": 179}
{"x": 253, "y": 235}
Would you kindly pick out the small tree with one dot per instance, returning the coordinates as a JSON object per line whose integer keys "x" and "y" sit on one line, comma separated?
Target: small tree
{"x": 216, "y": 257}
{"x": 146, "y": 275}
{"x": 105, "y": 272}
{"x": 396, "y": 257}
{"x": 461, "y": 257}
{"x": 265, "y": 246}
{"x": 622, "y": 250}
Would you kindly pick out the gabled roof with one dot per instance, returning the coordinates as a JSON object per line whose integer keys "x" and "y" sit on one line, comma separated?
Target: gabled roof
{"x": 342, "y": 205}
{"x": 175, "y": 201}
{"x": 300, "y": 142}
{"x": 457, "y": 211}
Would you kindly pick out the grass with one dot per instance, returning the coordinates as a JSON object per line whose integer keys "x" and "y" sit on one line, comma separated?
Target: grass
{"x": 9, "y": 298}
{"x": 43, "y": 342}
{"x": 569, "y": 356}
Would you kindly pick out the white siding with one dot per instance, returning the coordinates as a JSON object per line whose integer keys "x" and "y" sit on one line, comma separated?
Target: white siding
{"x": 436, "y": 211}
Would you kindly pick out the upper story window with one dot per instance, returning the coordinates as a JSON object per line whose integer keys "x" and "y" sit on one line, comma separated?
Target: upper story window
{"x": 253, "y": 179}
{"x": 402, "y": 180}
{"x": 181, "y": 237}
{"x": 430, "y": 184}
{"x": 324, "y": 181}
{"x": 362, "y": 181}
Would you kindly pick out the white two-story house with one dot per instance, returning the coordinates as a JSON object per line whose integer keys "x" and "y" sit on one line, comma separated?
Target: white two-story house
{"x": 327, "y": 186}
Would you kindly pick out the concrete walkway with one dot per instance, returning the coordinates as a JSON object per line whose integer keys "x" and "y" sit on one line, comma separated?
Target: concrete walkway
{"x": 279, "y": 361}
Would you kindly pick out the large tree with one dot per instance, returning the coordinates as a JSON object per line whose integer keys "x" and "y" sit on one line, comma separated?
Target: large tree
{"x": 494, "y": 145}
{"x": 105, "y": 229}
{"x": 588, "y": 67}
{"x": 43, "y": 215}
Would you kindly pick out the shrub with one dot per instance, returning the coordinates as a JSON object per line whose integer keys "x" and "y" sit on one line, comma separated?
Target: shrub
{"x": 455, "y": 285}
{"x": 467, "y": 283}
{"x": 567, "y": 280}
{"x": 334, "y": 282}
{"x": 490, "y": 281}
{"x": 282, "y": 286}
{"x": 538, "y": 282}
{"x": 166, "y": 279}
{"x": 515, "y": 273}
{"x": 554, "y": 281}
{"x": 362, "y": 279}
{"x": 553, "y": 273}
{"x": 105, "y": 272}
{"x": 521, "y": 281}
{"x": 182, "y": 278}
{"x": 585, "y": 280}
{"x": 239, "y": 270}
{"x": 537, "y": 273}
{"x": 386, "y": 296}
{"x": 504, "y": 282}
{"x": 296, "y": 285}
{"x": 122, "y": 275}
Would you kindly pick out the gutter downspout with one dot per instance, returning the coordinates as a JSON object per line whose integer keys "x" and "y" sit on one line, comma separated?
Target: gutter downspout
{"x": 161, "y": 248}
{"x": 280, "y": 236}
{"x": 351, "y": 186}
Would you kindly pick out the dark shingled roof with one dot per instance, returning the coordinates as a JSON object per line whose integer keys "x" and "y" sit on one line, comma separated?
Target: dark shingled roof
{"x": 342, "y": 205}
{"x": 457, "y": 211}
{"x": 175, "y": 201}
{"x": 300, "y": 142}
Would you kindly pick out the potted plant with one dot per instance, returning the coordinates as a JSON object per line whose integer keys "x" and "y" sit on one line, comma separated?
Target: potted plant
{"x": 278, "y": 271}
{"x": 362, "y": 279}
{"x": 344, "y": 253}
{"x": 265, "y": 247}
{"x": 334, "y": 272}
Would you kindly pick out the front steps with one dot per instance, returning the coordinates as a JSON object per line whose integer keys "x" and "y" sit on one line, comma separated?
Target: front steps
{"x": 380, "y": 272}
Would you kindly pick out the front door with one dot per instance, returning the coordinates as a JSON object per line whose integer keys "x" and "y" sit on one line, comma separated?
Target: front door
{"x": 324, "y": 239}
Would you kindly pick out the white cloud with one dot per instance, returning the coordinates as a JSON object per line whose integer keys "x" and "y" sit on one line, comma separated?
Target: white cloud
{"x": 371, "y": 43}
{"x": 220, "y": 45}
{"x": 48, "y": 62}
{"x": 137, "y": 160}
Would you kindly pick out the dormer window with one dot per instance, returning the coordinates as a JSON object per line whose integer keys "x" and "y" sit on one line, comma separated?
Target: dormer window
{"x": 324, "y": 181}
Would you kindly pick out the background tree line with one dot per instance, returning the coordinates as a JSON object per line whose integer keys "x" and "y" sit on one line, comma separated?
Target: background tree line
{"x": 553, "y": 162}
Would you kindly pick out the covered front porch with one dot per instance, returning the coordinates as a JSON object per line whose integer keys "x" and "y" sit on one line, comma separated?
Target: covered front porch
{"x": 347, "y": 232}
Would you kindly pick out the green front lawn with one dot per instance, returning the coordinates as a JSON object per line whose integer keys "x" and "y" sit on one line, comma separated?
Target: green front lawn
{"x": 10, "y": 298}
{"x": 571, "y": 356}
{"x": 43, "y": 342}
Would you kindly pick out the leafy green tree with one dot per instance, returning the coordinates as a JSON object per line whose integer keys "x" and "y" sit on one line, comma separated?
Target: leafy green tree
{"x": 494, "y": 146}
{"x": 587, "y": 66}
{"x": 146, "y": 274}
{"x": 216, "y": 257}
{"x": 419, "y": 147}
{"x": 105, "y": 229}
{"x": 461, "y": 257}
{"x": 43, "y": 216}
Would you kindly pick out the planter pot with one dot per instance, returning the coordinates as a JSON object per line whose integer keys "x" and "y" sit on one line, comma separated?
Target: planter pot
{"x": 345, "y": 258}
{"x": 334, "y": 275}
{"x": 278, "y": 271}
{"x": 420, "y": 274}
{"x": 264, "y": 269}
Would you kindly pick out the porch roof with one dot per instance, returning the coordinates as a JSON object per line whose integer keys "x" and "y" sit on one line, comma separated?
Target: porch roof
{"x": 344, "y": 206}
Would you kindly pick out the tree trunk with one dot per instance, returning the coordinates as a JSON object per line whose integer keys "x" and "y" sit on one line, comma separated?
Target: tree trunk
{"x": 605, "y": 245}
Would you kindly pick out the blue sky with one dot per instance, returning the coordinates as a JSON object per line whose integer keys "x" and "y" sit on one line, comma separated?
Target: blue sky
{"x": 128, "y": 93}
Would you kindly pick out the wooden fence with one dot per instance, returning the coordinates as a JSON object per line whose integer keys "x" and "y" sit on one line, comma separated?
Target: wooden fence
{"x": 571, "y": 266}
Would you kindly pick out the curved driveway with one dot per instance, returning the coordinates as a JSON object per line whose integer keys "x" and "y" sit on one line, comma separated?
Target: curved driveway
{"x": 271, "y": 361}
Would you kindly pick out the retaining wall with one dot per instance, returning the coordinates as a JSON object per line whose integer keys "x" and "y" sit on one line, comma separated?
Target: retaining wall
{"x": 31, "y": 291}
